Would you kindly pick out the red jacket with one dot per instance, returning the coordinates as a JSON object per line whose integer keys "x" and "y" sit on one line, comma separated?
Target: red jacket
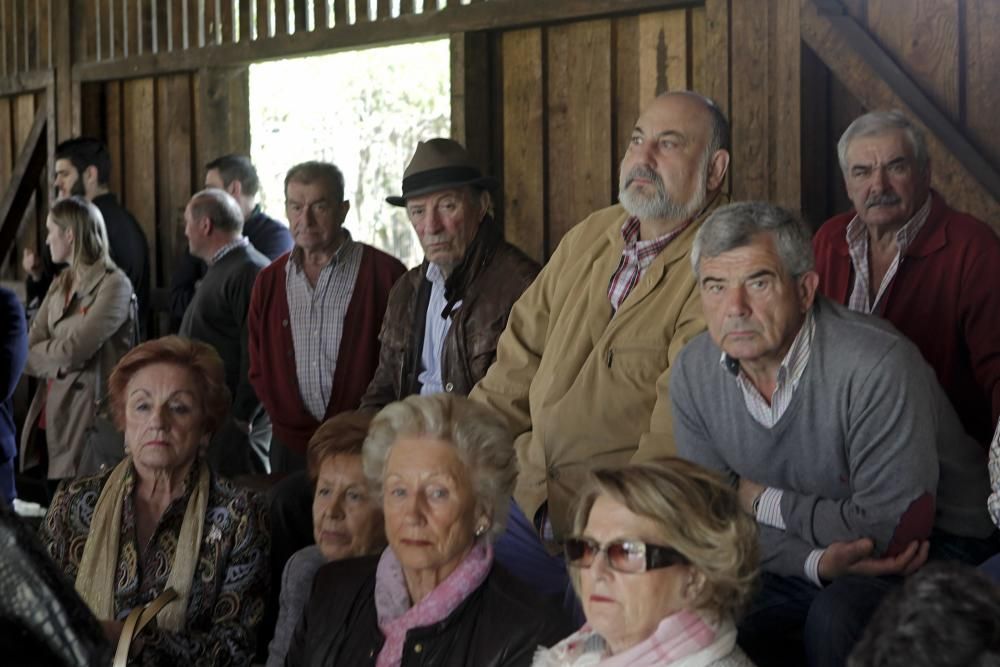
{"x": 945, "y": 297}
{"x": 272, "y": 354}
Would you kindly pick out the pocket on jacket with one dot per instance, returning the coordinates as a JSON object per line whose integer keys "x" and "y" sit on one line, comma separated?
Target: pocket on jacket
{"x": 637, "y": 363}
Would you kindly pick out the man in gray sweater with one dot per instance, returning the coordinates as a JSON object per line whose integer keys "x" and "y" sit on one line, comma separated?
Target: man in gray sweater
{"x": 213, "y": 224}
{"x": 829, "y": 423}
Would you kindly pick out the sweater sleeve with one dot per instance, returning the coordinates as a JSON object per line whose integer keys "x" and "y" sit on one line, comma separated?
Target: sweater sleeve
{"x": 980, "y": 312}
{"x": 892, "y": 459}
{"x": 694, "y": 443}
{"x": 385, "y": 385}
{"x": 245, "y": 402}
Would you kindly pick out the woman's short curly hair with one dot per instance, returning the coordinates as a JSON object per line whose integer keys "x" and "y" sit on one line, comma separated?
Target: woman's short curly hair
{"x": 701, "y": 518}
{"x": 200, "y": 359}
{"x": 480, "y": 436}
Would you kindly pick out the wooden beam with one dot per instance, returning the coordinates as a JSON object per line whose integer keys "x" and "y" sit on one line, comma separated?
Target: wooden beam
{"x": 24, "y": 183}
{"x": 455, "y": 18}
{"x": 27, "y": 82}
{"x": 877, "y": 81}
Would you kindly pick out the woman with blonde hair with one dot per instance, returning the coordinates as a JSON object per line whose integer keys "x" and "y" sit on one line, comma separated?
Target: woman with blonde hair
{"x": 663, "y": 561}
{"x": 83, "y": 327}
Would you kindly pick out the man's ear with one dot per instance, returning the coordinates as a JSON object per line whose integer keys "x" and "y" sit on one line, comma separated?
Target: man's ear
{"x": 808, "y": 284}
{"x": 235, "y": 188}
{"x": 89, "y": 177}
{"x": 718, "y": 165}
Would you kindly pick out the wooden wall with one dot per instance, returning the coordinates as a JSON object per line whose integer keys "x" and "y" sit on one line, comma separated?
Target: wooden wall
{"x": 17, "y": 114}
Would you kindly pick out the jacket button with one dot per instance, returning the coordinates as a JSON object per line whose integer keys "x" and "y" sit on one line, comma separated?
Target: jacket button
{"x": 553, "y": 473}
{"x": 418, "y": 648}
{"x": 284, "y": 323}
{"x": 449, "y": 387}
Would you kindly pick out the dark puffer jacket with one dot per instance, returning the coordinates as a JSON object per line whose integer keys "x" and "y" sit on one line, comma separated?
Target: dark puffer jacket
{"x": 490, "y": 279}
{"x": 500, "y": 624}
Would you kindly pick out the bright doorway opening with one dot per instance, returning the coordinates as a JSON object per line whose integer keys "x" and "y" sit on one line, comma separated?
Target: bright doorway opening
{"x": 364, "y": 111}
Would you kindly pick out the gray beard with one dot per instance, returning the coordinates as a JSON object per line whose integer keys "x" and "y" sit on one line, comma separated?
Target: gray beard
{"x": 661, "y": 206}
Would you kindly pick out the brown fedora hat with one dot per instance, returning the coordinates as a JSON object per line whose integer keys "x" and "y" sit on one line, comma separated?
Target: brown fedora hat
{"x": 439, "y": 164}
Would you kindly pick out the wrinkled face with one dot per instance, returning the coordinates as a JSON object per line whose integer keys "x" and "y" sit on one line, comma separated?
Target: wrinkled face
{"x": 429, "y": 505}
{"x": 446, "y": 223}
{"x": 164, "y": 418}
{"x": 665, "y": 169}
{"x": 314, "y": 216}
{"x": 753, "y": 307}
{"x": 60, "y": 242}
{"x": 626, "y": 608}
{"x": 883, "y": 180}
{"x": 67, "y": 182}
{"x": 347, "y": 521}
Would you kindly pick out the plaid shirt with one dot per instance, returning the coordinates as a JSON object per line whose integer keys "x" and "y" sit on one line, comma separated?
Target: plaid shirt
{"x": 857, "y": 245}
{"x": 238, "y": 242}
{"x": 636, "y": 258}
{"x": 317, "y": 320}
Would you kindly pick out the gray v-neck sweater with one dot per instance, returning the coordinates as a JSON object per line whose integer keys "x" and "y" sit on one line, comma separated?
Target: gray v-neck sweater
{"x": 856, "y": 451}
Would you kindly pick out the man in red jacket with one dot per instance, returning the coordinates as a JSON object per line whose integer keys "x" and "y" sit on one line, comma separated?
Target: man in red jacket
{"x": 315, "y": 314}
{"x": 934, "y": 272}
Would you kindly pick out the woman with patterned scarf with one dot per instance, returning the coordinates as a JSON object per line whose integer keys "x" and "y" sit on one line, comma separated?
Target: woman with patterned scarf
{"x": 662, "y": 559}
{"x": 444, "y": 468}
{"x": 170, "y": 557}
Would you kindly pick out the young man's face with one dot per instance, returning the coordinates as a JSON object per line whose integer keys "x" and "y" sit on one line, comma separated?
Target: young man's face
{"x": 68, "y": 181}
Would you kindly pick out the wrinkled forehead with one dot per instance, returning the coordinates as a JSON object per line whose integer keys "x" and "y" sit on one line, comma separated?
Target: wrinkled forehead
{"x": 883, "y": 146}
{"x": 681, "y": 113}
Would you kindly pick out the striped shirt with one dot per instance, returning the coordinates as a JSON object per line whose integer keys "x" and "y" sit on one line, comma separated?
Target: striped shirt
{"x": 857, "y": 245}
{"x": 435, "y": 330}
{"x": 238, "y": 242}
{"x": 993, "y": 502}
{"x": 636, "y": 258}
{"x": 768, "y": 414}
{"x": 317, "y": 320}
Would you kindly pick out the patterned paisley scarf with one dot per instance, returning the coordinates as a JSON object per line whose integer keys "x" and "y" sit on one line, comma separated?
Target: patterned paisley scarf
{"x": 396, "y": 616}
{"x": 95, "y": 581}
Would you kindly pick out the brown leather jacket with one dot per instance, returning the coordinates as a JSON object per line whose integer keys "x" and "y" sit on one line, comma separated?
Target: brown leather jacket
{"x": 492, "y": 277}
{"x": 500, "y": 624}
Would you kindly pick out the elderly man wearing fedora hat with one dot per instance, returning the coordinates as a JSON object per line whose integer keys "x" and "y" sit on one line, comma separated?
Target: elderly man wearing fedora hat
{"x": 444, "y": 317}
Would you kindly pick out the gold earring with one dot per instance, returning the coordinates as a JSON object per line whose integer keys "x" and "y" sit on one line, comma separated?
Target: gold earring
{"x": 480, "y": 529}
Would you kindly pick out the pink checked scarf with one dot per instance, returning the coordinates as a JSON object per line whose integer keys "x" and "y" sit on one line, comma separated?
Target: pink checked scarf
{"x": 392, "y": 599}
{"x": 678, "y": 636}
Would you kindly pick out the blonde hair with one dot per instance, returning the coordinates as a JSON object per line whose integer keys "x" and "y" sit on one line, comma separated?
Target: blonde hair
{"x": 701, "y": 517}
{"x": 478, "y": 433}
{"x": 90, "y": 237}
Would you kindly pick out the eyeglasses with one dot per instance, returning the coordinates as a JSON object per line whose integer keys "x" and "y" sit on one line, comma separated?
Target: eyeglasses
{"x": 628, "y": 556}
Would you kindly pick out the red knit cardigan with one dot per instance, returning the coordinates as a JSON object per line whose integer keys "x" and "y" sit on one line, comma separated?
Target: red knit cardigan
{"x": 272, "y": 353}
{"x": 945, "y": 298}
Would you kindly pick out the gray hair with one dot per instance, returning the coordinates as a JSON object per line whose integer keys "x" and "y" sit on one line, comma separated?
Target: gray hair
{"x": 875, "y": 123}
{"x": 735, "y": 226}
{"x": 479, "y": 434}
{"x": 220, "y": 207}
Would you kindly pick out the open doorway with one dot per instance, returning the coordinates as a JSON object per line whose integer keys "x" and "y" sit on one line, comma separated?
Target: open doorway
{"x": 364, "y": 111}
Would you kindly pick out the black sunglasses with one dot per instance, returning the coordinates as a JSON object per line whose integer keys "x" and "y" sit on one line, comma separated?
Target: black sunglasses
{"x": 628, "y": 556}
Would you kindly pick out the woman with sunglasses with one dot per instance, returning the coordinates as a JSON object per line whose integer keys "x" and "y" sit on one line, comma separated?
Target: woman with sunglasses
{"x": 663, "y": 560}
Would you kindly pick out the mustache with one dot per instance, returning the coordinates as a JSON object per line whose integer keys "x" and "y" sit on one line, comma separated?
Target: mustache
{"x": 645, "y": 173}
{"x": 741, "y": 324}
{"x": 885, "y": 199}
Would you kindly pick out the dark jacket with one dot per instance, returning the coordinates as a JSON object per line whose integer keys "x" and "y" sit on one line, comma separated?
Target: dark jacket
{"x": 499, "y": 625}
{"x": 492, "y": 277}
{"x": 129, "y": 249}
{"x": 270, "y": 237}
{"x": 13, "y": 356}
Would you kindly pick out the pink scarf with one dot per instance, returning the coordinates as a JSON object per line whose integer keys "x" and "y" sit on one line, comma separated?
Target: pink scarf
{"x": 392, "y": 599}
{"x": 678, "y": 636}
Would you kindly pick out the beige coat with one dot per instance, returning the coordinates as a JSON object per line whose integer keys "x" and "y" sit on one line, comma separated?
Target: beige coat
{"x": 69, "y": 344}
{"x": 582, "y": 388}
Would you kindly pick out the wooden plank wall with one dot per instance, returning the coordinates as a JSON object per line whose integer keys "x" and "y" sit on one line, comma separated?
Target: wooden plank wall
{"x": 949, "y": 48}
{"x": 572, "y": 93}
{"x": 152, "y": 128}
{"x": 17, "y": 113}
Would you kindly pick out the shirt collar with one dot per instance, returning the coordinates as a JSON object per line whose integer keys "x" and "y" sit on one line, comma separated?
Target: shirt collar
{"x": 238, "y": 242}
{"x": 630, "y": 234}
{"x": 857, "y": 232}
{"x": 434, "y": 274}
{"x": 297, "y": 252}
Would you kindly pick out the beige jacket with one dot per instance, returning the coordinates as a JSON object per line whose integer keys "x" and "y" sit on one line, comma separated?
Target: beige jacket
{"x": 582, "y": 388}
{"x": 69, "y": 344}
